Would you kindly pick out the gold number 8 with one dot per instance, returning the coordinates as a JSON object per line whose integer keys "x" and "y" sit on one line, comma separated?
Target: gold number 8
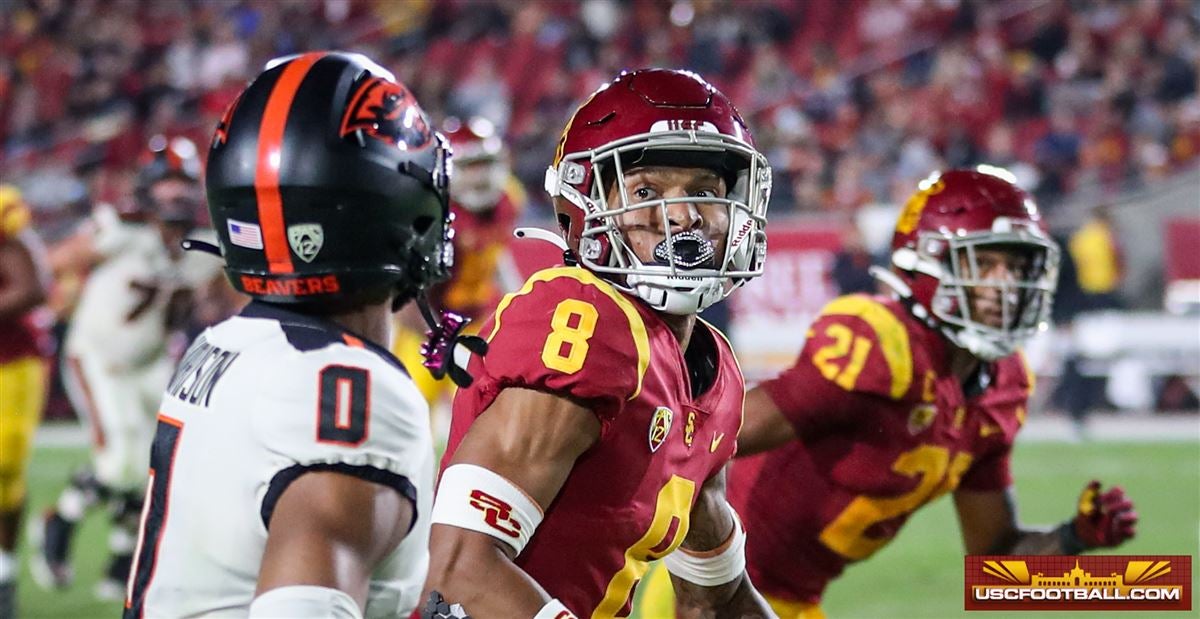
{"x": 576, "y": 337}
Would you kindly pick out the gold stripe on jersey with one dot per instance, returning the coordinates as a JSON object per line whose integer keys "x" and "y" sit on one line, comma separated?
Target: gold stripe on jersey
{"x": 893, "y": 337}
{"x": 14, "y": 215}
{"x": 1029, "y": 375}
{"x": 637, "y": 327}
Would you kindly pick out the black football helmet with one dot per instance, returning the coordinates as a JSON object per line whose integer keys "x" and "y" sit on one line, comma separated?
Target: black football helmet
{"x": 327, "y": 184}
{"x": 164, "y": 159}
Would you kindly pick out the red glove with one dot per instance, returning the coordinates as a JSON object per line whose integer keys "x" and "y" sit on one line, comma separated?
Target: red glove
{"x": 1104, "y": 520}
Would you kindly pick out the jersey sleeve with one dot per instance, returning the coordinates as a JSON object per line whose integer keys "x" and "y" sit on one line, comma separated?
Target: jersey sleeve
{"x": 343, "y": 409}
{"x": 855, "y": 353}
{"x": 109, "y": 234}
{"x": 568, "y": 332}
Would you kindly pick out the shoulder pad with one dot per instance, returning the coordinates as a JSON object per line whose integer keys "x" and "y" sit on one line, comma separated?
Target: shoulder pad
{"x": 568, "y": 331}
{"x": 861, "y": 344}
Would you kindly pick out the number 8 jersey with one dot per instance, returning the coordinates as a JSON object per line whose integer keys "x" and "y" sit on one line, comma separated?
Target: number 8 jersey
{"x": 884, "y": 427}
{"x": 628, "y": 499}
{"x": 256, "y": 402}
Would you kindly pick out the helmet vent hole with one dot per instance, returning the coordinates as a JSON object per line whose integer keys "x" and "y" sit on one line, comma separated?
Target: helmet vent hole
{"x": 421, "y": 224}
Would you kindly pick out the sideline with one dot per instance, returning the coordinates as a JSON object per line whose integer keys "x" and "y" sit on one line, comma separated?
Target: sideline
{"x": 1129, "y": 427}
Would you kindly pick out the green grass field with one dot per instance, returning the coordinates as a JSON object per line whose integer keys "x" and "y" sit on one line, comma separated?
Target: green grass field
{"x": 919, "y": 575}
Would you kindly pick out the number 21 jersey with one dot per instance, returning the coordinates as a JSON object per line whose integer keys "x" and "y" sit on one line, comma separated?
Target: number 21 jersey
{"x": 884, "y": 428}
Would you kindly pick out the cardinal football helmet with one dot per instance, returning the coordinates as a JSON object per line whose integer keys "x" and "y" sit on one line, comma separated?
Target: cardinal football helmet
{"x": 951, "y": 216}
{"x": 659, "y": 117}
{"x": 480, "y": 163}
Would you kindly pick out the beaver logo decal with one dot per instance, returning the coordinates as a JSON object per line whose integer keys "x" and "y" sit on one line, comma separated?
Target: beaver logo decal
{"x": 386, "y": 111}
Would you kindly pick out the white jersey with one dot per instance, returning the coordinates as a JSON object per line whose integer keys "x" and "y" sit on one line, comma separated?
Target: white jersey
{"x": 122, "y": 313}
{"x": 257, "y": 401}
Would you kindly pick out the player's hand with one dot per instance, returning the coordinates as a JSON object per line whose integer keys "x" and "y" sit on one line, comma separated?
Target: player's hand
{"x": 1104, "y": 519}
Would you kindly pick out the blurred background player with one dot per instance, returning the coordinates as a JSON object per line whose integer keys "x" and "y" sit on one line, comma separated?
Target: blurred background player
{"x": 293, "y": 464}
{"x": 896, "y": 400}
{"x": 486, "y": 201}
{"x": 603, "y": 403}
{"x": 135, "y": 300}
{"x": 24, "y": 282}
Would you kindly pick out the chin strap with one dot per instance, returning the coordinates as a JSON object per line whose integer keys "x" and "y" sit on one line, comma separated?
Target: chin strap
{"x": 202, "y": 246}
{"x": 443, "y": 335}
{"x": 541, "y": 234}
{"x": 904, "y": 293}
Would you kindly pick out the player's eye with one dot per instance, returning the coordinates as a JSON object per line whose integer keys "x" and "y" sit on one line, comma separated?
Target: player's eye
{"x": 644, "y": 193}
{"x": 706, "y": 193}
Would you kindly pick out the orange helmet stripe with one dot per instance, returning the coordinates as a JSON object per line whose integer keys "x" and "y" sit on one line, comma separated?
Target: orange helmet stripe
{"x": 266, "y": 171}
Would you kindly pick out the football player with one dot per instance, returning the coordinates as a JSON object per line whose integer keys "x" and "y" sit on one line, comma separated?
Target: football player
{"x": 486, "y": 201}
{"x": 595, "y": 436}
{"x": 116, "y": 360}
{"x": 292, "y": 467}
{"x": 23, "y": 372}
{"x": 896, "y": 400}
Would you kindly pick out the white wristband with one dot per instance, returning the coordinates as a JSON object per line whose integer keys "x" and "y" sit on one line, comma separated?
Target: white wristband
{"x": 714, "y": 567}
{"x": 554, "y": 610}
{"x": 472, "y": 497}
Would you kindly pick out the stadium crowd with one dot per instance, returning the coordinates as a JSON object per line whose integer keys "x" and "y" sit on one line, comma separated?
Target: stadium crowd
{"x": 853, "y": 101}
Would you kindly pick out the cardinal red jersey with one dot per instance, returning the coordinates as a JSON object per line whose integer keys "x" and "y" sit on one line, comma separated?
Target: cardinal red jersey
{"x": 884, "y": 428}
{"x": 20, "y": 336}
{"x": 480, "y": 240}
{"x": 627, "y": 500}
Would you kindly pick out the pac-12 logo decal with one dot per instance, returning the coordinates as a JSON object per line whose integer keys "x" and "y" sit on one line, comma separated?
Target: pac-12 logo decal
{"x": 306, "y": 240}
{"x": 660, "y": 425}
{"x": 386, "y": 111}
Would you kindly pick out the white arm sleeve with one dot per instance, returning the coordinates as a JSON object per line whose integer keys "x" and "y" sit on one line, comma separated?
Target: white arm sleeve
{"x": 304, "y": 602}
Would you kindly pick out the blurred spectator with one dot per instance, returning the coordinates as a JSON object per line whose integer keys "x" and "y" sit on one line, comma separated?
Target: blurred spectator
{"x": 852, "y": 101}
{"x": 852, "y": 263}
{"x": 1090, "y": 281}
{"x": 1097, "y": 256}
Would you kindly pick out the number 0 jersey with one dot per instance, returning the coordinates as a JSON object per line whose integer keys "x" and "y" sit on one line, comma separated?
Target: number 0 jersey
{"x": 884, "y": 428}
{"x": 257, "y": 401}
{"x": 628, "y": 499}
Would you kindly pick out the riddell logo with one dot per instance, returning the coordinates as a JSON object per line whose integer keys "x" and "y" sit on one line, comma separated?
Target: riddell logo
{"x": 1079, "y": 583}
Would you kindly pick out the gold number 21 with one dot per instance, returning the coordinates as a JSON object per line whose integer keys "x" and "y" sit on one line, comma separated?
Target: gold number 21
{"x": 826, "y": 358}
{"x": 936, "y": 473}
